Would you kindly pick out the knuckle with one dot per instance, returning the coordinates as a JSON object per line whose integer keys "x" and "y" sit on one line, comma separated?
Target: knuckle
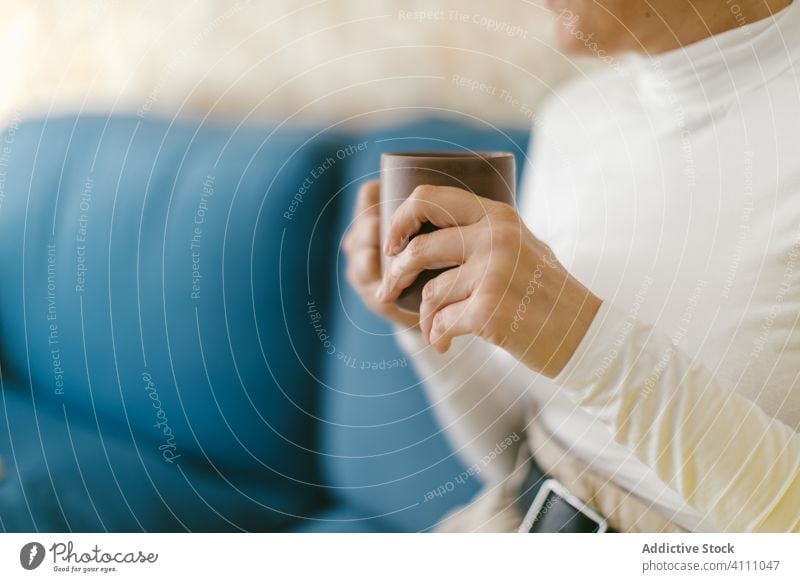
{"x": 429, "y": 290}
{"x": 392, "y": 223}
{"x": 426, "y": 313}
{"x": 423, "y": 197}
{"x": 503, "y": 235}
{"x": 483, "y": 233}
{"x": 439, "y": 323}
{"x": 422, "y": 192}
{"x": 397, "y": 220}
{"x": 505, "y": 212}
{"x": 417, "y": 248}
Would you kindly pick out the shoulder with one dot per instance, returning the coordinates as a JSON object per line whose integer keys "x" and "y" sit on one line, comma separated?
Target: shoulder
{"x": 586, "y": 94}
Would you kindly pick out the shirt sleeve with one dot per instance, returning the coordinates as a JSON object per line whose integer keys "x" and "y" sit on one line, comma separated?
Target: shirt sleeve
{"x": 478, "y": 394}
{"x": 730, "y": 460}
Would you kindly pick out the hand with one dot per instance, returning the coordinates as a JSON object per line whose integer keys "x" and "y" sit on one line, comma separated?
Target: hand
{"x": 505, "y": 285}
{"x": 361, "y": 246}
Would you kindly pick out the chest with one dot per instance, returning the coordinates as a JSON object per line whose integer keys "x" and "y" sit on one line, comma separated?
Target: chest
{"x": 695, "y": 231}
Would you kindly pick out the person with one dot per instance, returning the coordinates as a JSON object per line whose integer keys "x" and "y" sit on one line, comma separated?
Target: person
{"x": 637, "y": 318}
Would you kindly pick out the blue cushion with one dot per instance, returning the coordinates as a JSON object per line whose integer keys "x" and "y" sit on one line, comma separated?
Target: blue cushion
{"x": 66, "y": 475}
{"x": 384, "y": 451}
{"x": 342, "y": 518}
{"x": 155, "y": 281}
{"x": 137, "y": 395}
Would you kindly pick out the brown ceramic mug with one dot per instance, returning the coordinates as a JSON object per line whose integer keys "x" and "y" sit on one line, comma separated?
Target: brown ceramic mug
{"x": 488, "y": 174}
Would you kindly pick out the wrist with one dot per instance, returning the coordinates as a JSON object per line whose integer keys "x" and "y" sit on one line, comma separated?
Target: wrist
{"x": 574, "y": 321}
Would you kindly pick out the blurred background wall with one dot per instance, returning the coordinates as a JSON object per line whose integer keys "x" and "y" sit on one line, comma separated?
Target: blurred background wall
{"x": 257, "y": 60}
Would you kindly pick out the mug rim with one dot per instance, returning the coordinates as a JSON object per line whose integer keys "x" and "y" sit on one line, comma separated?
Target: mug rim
{"x": 444, "y": 155}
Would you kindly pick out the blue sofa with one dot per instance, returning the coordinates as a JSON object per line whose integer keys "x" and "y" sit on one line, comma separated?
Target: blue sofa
{"x": 179, "y": 350}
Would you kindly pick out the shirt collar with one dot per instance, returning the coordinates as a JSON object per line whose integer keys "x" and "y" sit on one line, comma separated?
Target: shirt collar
{"x": 715, "y": 70}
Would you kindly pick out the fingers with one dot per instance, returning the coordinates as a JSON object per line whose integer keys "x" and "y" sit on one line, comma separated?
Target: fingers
{"x": 364, "y": 232}
{"x": 361, "y": 245}
{"x": 364, "y": 267}
{"x": 447, "y": 247}
{"x": 452, "y": 286}
{"x": 449, "y": 322}
{"x": 365, "y": 228}
{"x": 440, "y": 205}
{"x": 368, "y": 198}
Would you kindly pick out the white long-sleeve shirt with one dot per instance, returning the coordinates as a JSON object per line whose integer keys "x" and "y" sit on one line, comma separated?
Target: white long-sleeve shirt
{"x": 671, "y": 188}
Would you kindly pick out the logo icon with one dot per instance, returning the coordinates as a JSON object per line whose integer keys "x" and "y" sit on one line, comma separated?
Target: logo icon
{"x": 31, "y": 555}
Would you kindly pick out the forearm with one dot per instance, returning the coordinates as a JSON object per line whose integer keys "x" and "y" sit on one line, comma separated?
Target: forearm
{"x": 734, "y": 463}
